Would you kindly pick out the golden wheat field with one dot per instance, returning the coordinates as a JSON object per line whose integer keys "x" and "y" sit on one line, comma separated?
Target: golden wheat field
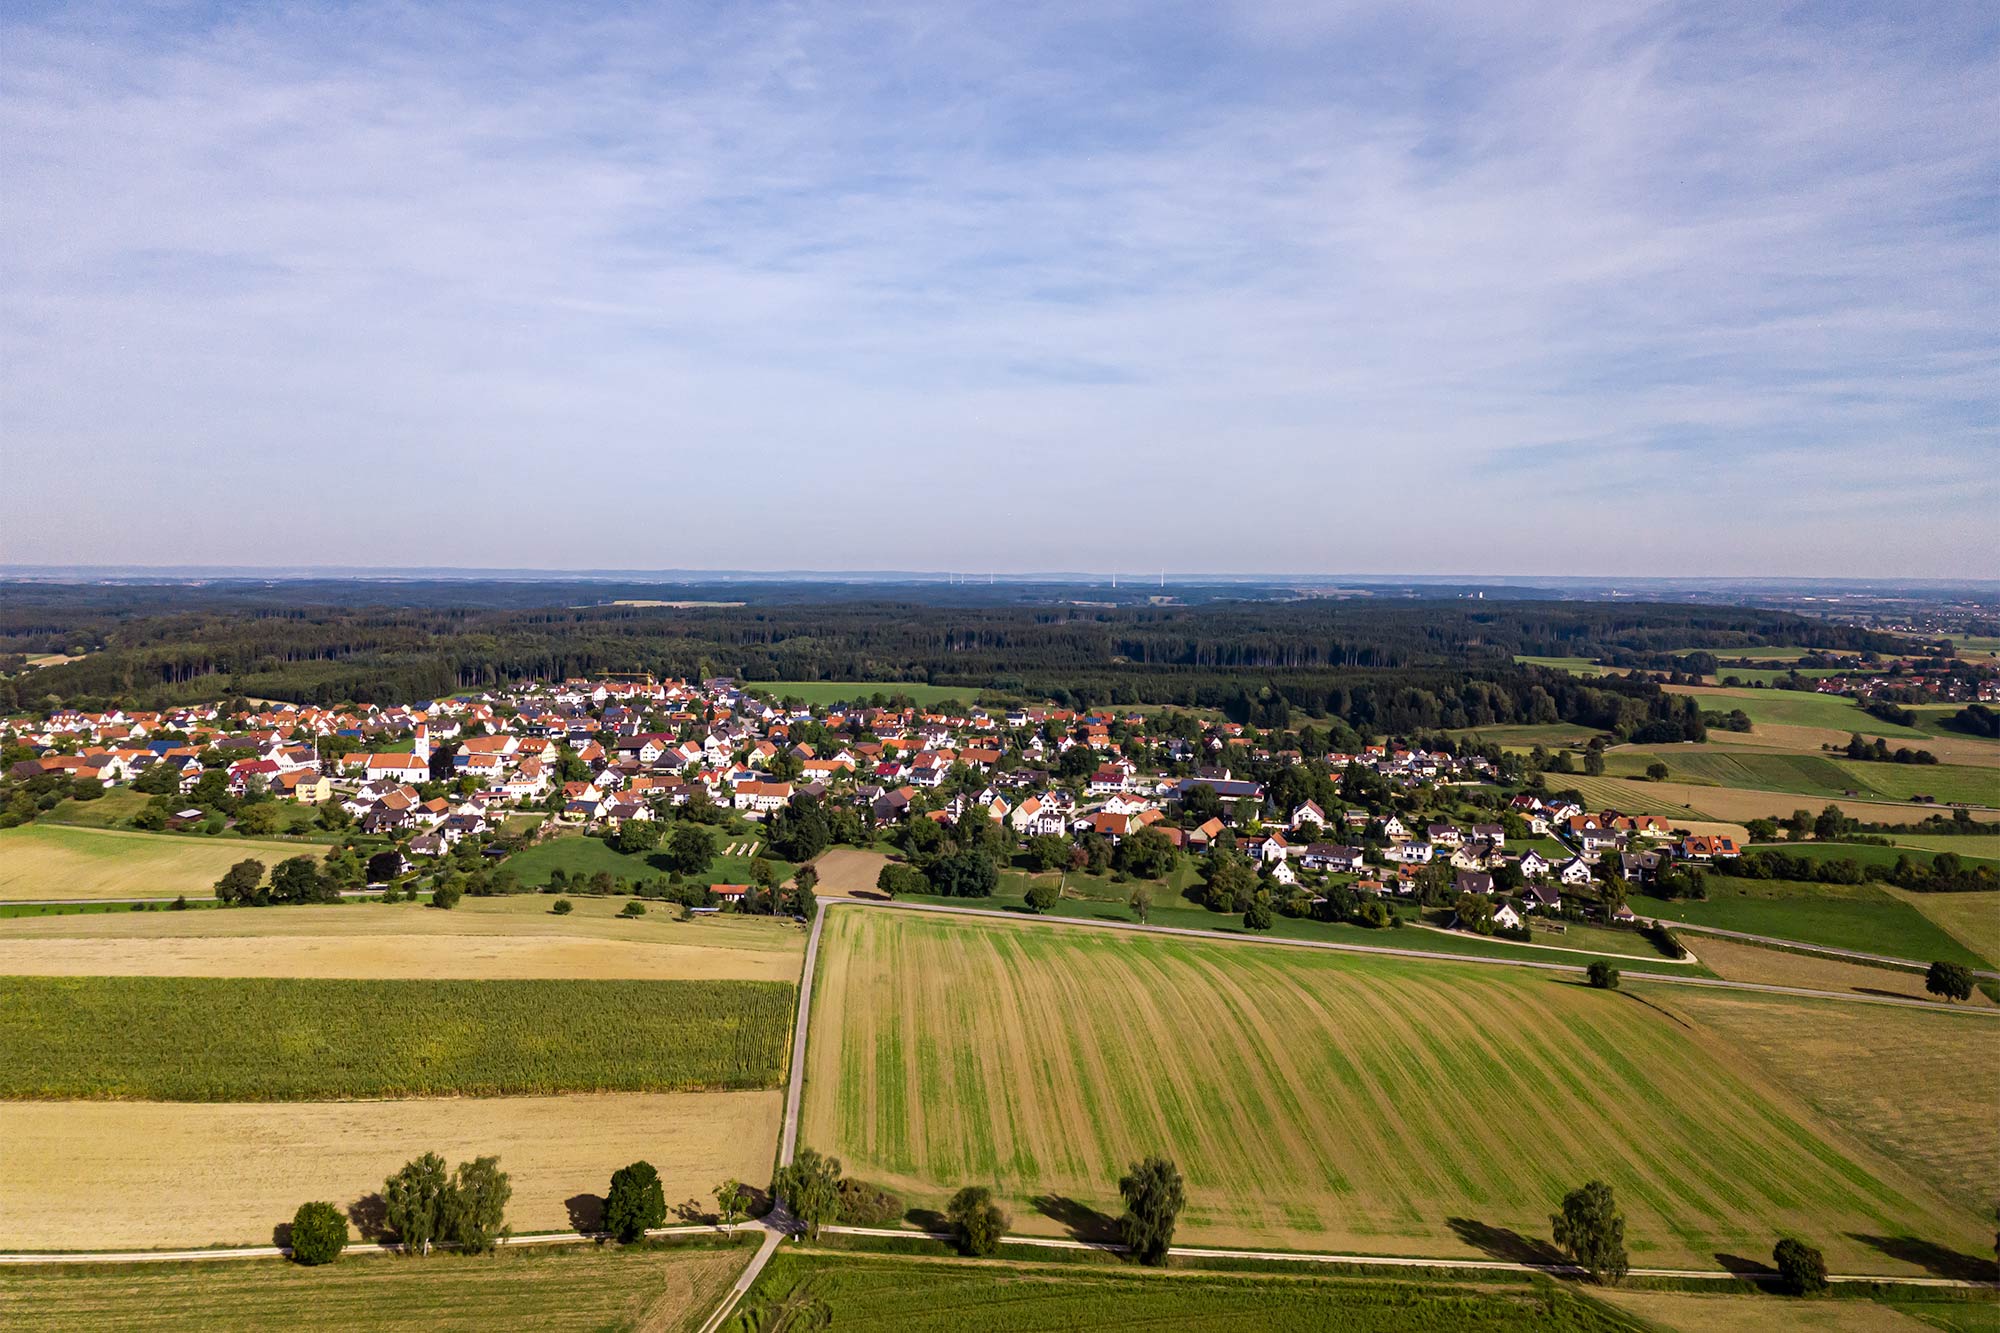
{"x": 1318, "y": 1101}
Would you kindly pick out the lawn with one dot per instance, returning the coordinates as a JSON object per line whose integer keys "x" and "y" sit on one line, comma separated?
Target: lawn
{"x": 577, "y": 855}
{"x": 263, "y": 1039}
{"x": 580, "y": 1289}
{"x": 62, "y": 861}
{"x": 1866, "y": 917}
{"x": 801, "y": 1290}
{"x": 831, "y": 692}
{"x": 227, "y": 1172}
{"x": 1315, "y": 1100}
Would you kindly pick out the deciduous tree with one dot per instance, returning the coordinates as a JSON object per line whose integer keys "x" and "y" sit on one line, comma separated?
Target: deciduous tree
{"x": 1591, "y": 1231}
{"x": 1154, "y": 1196}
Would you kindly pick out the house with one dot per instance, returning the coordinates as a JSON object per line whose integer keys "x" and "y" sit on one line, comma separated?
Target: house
{"x": 1271, "y": 849}
{"x": 761, "y": 797}
{"x": 1203, "y": 836}
{"x": 1393, "y": 827}
{"x": 1326, "y": 856}
{"x": 1409, "y": 853}
{"x": 1444, "y": 835}
{"x": 1506, "y": 917}
{"x": 1493, "y": 833}
{"x": 1282, "y": 873}
{"x": 1641, "y": 867}
{"x": 1542, "y": 897}
{"x": 1308, "y": 813}
{"x": 1472, "y": 881}
{"x": 1575, "y": 872}
{"x": 1701, "y": 847}
{"x": 1534, "y": 865}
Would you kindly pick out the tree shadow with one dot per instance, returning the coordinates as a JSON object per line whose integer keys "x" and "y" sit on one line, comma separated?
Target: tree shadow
{"x": 586, "y": 1212}
{"x": 694, "y": 1213}
{"x": 927, "y": 1219}
{"x": 1081, "y": 1220}
{"x": 1935, "y": 1259}
{"x": 1640, "y": 999}
{"x": 1750, "y": 1270}
{"x": 1505, "y": 1243}
{"x": 281, "y": 1235}
{"x": 370, "y": 1215}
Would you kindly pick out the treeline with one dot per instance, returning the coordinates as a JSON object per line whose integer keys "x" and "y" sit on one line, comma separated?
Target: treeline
{"x": 1944, "y": 873}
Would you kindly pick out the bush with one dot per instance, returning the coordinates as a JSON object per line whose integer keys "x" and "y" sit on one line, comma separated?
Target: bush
{"x": 977, "y": 1221}
{"x": 634, "y": 909}
{"x": 446, "y": 895}
{"x": 319, "y": 1234}
{"x": 866, "y": 1205}
{"x": 562, "y": 907}
{"x": 1801, "y": 1268}
{"x": 1042, "y": 897}
{"x": 1603, "y": 976}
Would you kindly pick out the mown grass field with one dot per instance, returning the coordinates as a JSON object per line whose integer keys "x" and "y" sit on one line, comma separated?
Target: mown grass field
{"x": 1739, "y": 960}
{"x": 1685, "y": 801}
{"x": 1813, "y": 775}
{"x": 799, "y": 1289}
{"x": 1973, "y": 919}
{"x": 831, "y": 692}
{"x": 1576, "y": 666}
{"x": 225, "y": 1173}
{"x": 1864, "y": 853}
{"x": 582, "y": 1289}
{"x": 1866, "y": 917}
{"x": 63, "y": 861}
{"x": 1922, "y": 1085}
{"x": 576, "y": 855}
{"x": 1798, "y": 708}
{"x": 1315, "y": 1101}
{"x": 260, "y": 1039}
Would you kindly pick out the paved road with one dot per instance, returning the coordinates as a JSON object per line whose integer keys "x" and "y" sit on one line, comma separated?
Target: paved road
{"x": 1432, "y": 955}
{"x": 1802, "y": 947}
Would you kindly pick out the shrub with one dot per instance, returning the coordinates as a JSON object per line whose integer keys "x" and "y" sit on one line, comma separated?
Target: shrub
{"x": 867, "y": 1205}
{"x": 977, "y": 1220}
{"x": 634, "y": 908}
{"x": 446, "y": 895}
{"x": 1801, "y": 1268}
{"x": 1603, "y": 976}
{"x": 1041, "y": 897}
{"x": 562, "y": 907}
{"x": 319, "y": 1233}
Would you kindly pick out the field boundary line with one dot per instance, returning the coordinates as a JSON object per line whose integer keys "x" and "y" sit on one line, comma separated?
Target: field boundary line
{"x": 1379, "y": 1260}
{"x": 1332, "y": 946}
{"x": 363, "y": 1248}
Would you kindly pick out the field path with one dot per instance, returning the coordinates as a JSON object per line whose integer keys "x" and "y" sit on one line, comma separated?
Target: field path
{"x": 1817, "y": 948}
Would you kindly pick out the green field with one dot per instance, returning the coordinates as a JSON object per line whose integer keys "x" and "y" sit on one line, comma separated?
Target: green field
{"x": 1866, "y": 917}
{"x": 1973, "y": 919}
{"x": 1768, "y": 675}
{"x": 260, "y": 1039}
{"x": 577, "y": 855}
{"x": 1867, "y": 853}
{"x": 831, "y": 692}
{"x": 1813, "y": 775}
{"x": 1799, "y": 708}
{"x": 1317, "y": 1101}
{"x": 1576, "y": 666}
{"x": 802, "y": 1290}
{"x": 1525, "y": 736}
{"x": 583, "y": 1290}
{"x": 63, "y": 861}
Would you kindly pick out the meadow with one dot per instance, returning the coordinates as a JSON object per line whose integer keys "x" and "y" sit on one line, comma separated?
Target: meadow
{"x": 1813, "y": 775}
{"x": 1973, "y": 919}
{"x": 827, "y": 693}
{"x": 1798, "y": 708}
{"x": 802, "y": 1290}
{"x": 263, "y": 1039}
{"x": 1920, "y": 1084}
{"x": 1865, "y": 917}
{"x": 1685, "y": 801}
{"x": 1316, "y": 1101}
{"x": 216, "y": 1173}
{"x": 584, "y": 1290}
{"x": 576, "y": 855}
{"x": 63, "y": 861}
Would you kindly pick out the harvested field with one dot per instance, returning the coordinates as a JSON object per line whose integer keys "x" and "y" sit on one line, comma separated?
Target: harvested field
{"x": 1316, "y": 1101}
{"x": 262, "y": 1039}
{"x": 911, "y": 1295}
{"x": 61, "y": 861}
{"x": 1973, "y": 919}
{"x": 1703, "y": 1312}
{"x": 1679, "y": 801}
{"x": 846, "y": 872}
{"x": 1950, "y": 748}
{"x": 1734, "y": 961}
{"x": 1922, "y": 1085}
{"x": 178, "y": 1174}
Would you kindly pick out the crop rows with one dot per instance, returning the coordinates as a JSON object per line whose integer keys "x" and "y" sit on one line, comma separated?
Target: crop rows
{"x": 262, "y": 1039}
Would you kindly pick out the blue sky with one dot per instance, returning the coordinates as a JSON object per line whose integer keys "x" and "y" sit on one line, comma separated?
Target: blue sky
{"x": 1435, "y": 287}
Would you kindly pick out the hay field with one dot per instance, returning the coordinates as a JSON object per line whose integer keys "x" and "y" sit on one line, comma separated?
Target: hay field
{"x": 1950, "y": 748}
{"x": 1922, "y": 1085}
{"x": 80, "y": 1175}
{"x": 1708, "y": 1312}
{"x": 61, "y": 861}
{"x": 1736, "y": 961}
{"x": 847, "y": 872}
{"x": 286, "y": 1039}
{"x": 573, "y": 1289}
{"x": 1973, "y": 919}
{"x": 1680, "y": 801}
{"x": 1316, "y": 1101}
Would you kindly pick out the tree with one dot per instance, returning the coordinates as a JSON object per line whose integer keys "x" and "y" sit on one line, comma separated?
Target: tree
{"x": 1147, "y": 854}
{"x": 1048, "y": 851}
{"x": 810, "y": 1187}
{"x": 1154, "y": 1195}
{"x": 1657, "y": 771}
{"x": 319, "y": 1234}
{"x": 384, "y": 866}
{"x": 1603, "y": 976}
{"x": 690, "y": 849}
{"x": 475, "y": 1208}
{"x": 1951, "y": 980}
{"x": 1801, "y": 1268}
{"x": 240, "y": 884}
{"x": 635, "y": 1203}
{"x": 634, "y": 908}
{"x": 1258, "y": 915}
{"x": 964, "y": 874}
{"x": 446, "y": 895}
{"x": 413, "y": 1202}
{"x": 1041, "y": 897}
{"x": 732, "y": 1202}
{"x": 562, "y": 907}
{"x": 805, "y": 902}
{"x": 636, "y": 835}
{"x": 297, "y": 879}
{"x": 1141, "y": 902}
{"x": 254, "y": 820}
{"x": 801, "y": 830}
{"x": 1592, "y": 1232}
{"x": 976, "y": 1220}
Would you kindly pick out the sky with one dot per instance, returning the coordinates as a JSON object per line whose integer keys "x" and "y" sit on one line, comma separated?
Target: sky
{"x": 1486, "y": 287}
